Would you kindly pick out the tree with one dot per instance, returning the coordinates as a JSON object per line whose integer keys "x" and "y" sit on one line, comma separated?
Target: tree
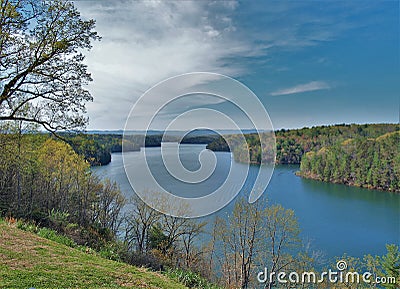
{"x": 386, "y": 267}
{"x": 281, "y": 238}
{"x": 138, "y": 224}
{"x": 390, "y": 264}
{"x": 108, "y": 206}
{"x": 42, "y": 74}
{"x": 255, "y": 235}
{"x": 192, "y": 231}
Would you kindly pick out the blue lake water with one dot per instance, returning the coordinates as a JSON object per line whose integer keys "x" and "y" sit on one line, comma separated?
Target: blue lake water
{"x": 334, "y": 219}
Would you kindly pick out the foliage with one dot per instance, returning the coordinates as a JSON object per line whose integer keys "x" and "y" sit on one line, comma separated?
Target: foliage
{"x": 112, "y": 251}
{"x": 96, "y": 151}
{"x": 48, "y": 182}
{"x": 386, "y": 266}
{"x": 57, "y": 219}
{"x": 189, "y": 279}
{"x": 363, "y": 162}
{"x": 54, "y": 236}
{"x": 52, "y": 186}
{"x": 291, "y": 145}
{"x": 97, "y": 148}
{"x": 152, "y": 235}
{"x": 42, "y": 70}
{"x": 43, "y": 179}
{"x": 360, "y": 155}
{"x": 28, "y": 226}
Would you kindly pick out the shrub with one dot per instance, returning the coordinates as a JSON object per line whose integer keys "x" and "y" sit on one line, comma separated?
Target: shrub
{"x": 29, "y": 226}
{"x": 58, "y": 219}
{"x": 190, "y": 279}
{"x": 147, "y": 260}
{"x": 54, "y": 236}
{"x": 111, "y": 251}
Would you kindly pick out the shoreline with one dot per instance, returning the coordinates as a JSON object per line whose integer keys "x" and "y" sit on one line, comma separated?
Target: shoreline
{"x": 318, "y": 178}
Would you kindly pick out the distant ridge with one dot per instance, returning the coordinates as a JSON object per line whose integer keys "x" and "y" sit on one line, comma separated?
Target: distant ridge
{"x": 196, "y": 132}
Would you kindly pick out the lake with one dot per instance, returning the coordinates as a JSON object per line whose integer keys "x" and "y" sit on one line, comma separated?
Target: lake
{"x": 334, "y": 219}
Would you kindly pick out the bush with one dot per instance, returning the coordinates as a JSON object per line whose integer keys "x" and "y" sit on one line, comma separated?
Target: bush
{"x": 94, "y": 236}
{"x": 111, "y": 251}
{"x": 54, "y": 236}
{"x": 147, "y": 260}
{"x": 28, "y": 226}
{"x": 58, "y": 219}
{"x": 190, "y": 279}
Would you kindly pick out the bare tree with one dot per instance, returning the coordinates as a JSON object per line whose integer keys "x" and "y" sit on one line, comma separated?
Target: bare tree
{"x": 170, "y": 239}
{"x": 239, "y": 238}
{"x": 108, "y": 206}
{"x": 192, "y": 231}
{"x": 254, "y": 235}
{"x": 281, "y": 238}
{"x": 138, "y": 222}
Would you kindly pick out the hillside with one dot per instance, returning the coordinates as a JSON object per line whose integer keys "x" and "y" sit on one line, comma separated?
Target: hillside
{"x": 28, "y": 260}
{"x": 292, "y": 144}
{"x": 363, "y": 162}
{"x": 364, "y": 155}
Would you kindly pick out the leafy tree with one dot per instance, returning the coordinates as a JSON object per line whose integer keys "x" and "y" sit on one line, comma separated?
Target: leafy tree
{"x": 42, "y": 74}
{"x": 386, "y": 267}
{"x": 157, "y": 239}
{"x": 390, "y": 264}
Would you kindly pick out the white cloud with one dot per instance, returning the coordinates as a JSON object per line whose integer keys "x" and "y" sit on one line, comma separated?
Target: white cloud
{"x": 144, "y": 42}
{"x": 311, "y": 86}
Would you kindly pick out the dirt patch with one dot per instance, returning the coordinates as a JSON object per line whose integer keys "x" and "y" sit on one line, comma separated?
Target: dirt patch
{"x": 132, "y": 284}
{"x": 17, "y": 264}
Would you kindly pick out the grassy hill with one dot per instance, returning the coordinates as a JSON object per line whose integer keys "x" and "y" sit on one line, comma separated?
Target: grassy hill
{"x": 27, "y": 260}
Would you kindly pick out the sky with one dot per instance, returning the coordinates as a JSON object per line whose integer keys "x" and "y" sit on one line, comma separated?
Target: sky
{"x": 308, "y": 62}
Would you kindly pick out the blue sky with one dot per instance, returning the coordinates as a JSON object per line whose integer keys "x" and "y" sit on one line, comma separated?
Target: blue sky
{"x": 310, "y": 63}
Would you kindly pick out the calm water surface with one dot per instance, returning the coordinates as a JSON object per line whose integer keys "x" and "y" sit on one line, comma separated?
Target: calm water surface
{"x": 334, "y": 219}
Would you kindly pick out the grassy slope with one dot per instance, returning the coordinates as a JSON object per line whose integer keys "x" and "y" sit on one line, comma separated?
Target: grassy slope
{"x": 26, "y": 260}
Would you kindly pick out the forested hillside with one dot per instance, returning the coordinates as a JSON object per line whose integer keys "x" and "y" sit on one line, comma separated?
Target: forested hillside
{"x": 362, "y": 155}
{"x": 363, "y": 162}
{"x": 292, "y": 144}
{"x": 39, "y": 174}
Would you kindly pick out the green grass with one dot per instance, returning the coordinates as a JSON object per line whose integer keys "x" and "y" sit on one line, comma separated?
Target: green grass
{"x": 27, "y": 260}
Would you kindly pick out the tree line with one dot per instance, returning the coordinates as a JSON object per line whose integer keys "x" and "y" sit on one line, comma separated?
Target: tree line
{"x": 97, "y": 148}
{"x": 292, "y": 144}
{"x": 360, "y": 155}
